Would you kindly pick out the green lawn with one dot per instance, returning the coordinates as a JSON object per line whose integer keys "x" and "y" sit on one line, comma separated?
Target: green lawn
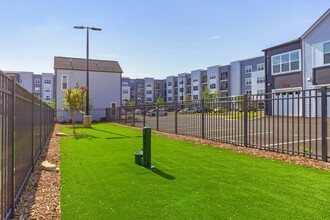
{"x": 99, "y": 180}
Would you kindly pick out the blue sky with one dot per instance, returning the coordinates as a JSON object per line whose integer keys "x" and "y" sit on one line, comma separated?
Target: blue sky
{"x": 148, "y": 37}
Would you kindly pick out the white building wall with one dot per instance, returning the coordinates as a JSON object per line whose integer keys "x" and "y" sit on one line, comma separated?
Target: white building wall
{"x": 196, "y": 80}
{"x": 102, "y": 94}
{"x": 26, "y": 80}
{"x": 125, "y": 91}
{"x": 320, "y": 33}
{"x": 254, "y": 85}
{"x": 47, "y": 88}
{"x": 213, "y": 71}
{"x": 149, "y": 86}
{"x": 235, "y": 78}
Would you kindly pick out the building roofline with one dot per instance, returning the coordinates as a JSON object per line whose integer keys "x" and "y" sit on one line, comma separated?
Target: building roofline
{"x": 283, "y": 44}
{"x": 316, "y": 23}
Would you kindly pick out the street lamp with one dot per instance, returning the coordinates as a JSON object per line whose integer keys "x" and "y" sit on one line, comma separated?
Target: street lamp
{"x": 87, "y": 118}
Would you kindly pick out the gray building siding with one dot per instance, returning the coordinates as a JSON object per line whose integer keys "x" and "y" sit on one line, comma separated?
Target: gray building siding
{"x": 271, "y": 79}
{"x": 244, "y": 75}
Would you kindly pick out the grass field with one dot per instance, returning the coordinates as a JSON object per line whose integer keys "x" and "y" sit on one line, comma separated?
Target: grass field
{"x": 99, "y": 180}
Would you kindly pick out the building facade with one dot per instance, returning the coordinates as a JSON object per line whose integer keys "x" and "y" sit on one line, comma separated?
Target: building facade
{"x": 104, "y": 84}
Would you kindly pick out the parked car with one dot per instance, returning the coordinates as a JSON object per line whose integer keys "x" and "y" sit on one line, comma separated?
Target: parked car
{"x": 153, "y": 112}
{"x": 138, "y": 111}
{"x": 192, "y": 110}
{"x": 183, "y": 111}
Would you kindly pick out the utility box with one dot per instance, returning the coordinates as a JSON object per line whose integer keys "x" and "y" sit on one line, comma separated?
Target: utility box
{"x": 147, "y": 147}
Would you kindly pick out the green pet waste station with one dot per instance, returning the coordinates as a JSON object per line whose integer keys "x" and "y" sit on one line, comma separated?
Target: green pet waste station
{"x": 143, "y": 158}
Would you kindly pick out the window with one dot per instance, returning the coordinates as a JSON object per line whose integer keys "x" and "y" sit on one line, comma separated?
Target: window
{"x": 47, "y": 90}
{"x": 212, "y": 86}
{"x": 248, "y": 92}
{"x": 149, "y": 91}
{"x": 260, "y": 67}
{"x": 181, "y": 89}
{"x": 261, "y": 79}
{"x": 248, "y": 69}
{"x": 212, "y": 77}
{"x": 47, "y": 97}
{"x": 149, "y": 85}
{"x": 260, "y": 91}
{"x": 125, "y": 83}
{"x": 125, "y": 91}
{"x": 195, "y": 80}
{"x": 195, "y": 88}
{"x": 37, "y": 89}
{"x": 169, "y": 99}
{"x": 47, "y": 81}
{"x": 149, "y": 99}
{"x": 169, "y": 91}
{"x": 181, "y": 98}
{"x": 195, "y": 97}
{"x": 64, "y": 82}
{"x": 169, "y": 83}
{"x": 326, "y": 53}
{"x": 21, "y": 80}
{"x": 37, "y": 81}
{"x": 286, "y": 62}
{"x": 248, "y": 81}
{"x": 181, "y": 82}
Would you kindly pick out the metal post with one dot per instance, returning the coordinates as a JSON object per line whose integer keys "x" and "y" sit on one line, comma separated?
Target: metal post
{"x": 157, "y": 120}
{"x": 324, "y": 124}
{"x": 147, "y": 147}
{"x": 203, "y": 119}
{"x": 176, "y": 118}
{"x": 32, "y": 132}
{"x": 144, "y": 115}
{"x": 133, "y": 116}
{"x": 87, "y": 73}
{"x": 12, "y": 207}
{"x": 245, "y": 134}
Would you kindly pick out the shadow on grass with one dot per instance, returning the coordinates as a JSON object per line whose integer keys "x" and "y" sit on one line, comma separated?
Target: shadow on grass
{"x": 110, "y": 132}
{"x": 84, "y": 136}
{"x": 162, "y": 174}
{"x": 110, "y": 138}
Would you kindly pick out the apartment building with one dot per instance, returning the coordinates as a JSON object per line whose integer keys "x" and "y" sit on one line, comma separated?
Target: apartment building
{"x": 41, "y": 85}
{"x": 196, "y": 83}
{"x": 171, "y": 90}
{"x": 104, "y": 84}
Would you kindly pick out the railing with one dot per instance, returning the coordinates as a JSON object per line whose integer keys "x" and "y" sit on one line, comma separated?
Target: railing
{"x": 294, "y": 122}
{"x": 26, "y": 124}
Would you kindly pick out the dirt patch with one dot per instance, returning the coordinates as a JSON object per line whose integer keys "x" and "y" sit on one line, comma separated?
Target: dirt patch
{"x": 295, "y": 159}
{"x": 41, "y": 196}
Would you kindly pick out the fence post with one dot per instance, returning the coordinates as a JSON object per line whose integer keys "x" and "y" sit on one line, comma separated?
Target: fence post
{"x": 203, "y": 119}
{"x": 32, "y": 131}
{"x": 245, "y": 132}
{"x": 40, "y": 115}
{"x": 144, "y": 115}
{"x": 133, "y": 116}
{"x": 12, "y": 207}
{"x": 157, "y": 120}
{"x": 324, "y": 103}
{"x": 176, "y": 118}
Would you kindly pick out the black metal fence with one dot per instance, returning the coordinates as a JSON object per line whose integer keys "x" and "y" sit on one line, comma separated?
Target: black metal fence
{"x": 293, "y": 122}
{"x": 25, "y": 125}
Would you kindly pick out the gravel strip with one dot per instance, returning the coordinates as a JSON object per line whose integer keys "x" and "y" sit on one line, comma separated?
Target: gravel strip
{"x": 41, "y": 196}
{"x": 295, "y": 159}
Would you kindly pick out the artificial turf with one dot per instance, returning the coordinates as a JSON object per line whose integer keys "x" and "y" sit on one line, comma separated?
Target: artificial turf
{"x": 99, "y": 180}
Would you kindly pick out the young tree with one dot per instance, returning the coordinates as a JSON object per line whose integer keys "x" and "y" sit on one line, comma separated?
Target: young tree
{"x": 75, "y": 101}
{"x": 159, "y": 101}
{"x": 206, "y": 93}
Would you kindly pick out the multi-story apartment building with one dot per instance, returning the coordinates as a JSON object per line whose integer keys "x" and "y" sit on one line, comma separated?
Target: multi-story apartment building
{"x": 171, "y": 91}
{"x": 182, "y": 87}
{"x": 42, "y": 85}
{"x": 125, "y": 90}
{"x": 196, "y": 83}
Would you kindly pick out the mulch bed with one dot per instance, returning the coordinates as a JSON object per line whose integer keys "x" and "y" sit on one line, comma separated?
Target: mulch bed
{"x": 41, "y": 197}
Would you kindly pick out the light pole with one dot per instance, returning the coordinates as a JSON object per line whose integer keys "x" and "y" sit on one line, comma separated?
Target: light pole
{"x": 87, "y": 118}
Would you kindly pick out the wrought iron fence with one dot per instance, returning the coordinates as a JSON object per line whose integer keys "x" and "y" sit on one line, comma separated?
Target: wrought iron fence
{"x": 25, "y": 125}
{"x": 292, "y": 122}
